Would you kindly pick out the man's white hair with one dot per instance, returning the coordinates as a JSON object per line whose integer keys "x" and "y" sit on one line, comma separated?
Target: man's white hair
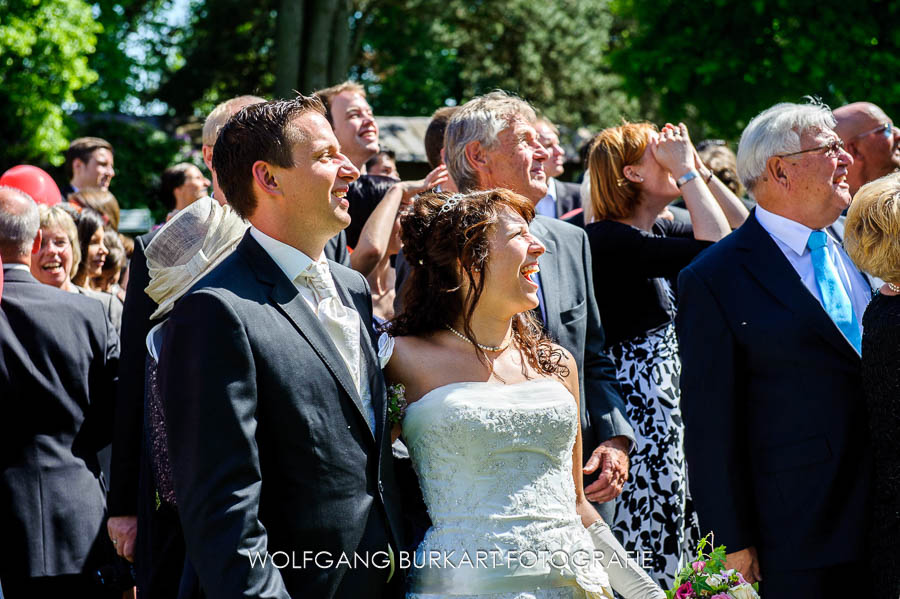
{"x": 777, "y": 130}
{"x": 480, "y": 119}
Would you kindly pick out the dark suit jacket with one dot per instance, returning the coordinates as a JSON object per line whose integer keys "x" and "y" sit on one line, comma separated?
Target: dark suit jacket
{"x": 269, "y": 447}
{"x": 136, "y": 324}
{"x": 574, "y": 321}
{"x": 123, "y": 492}
{"x": 776, "y": 434}
{"x": 568, "y": 197}
{"x": 59, "y": 359}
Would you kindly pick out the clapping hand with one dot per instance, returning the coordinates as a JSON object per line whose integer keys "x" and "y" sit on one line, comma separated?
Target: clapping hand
{"x": 412, "y": 188}
{"x": 673, "y": 149}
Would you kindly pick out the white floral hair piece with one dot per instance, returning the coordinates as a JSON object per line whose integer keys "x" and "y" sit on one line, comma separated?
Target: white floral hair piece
{"x": 451, "y": 203}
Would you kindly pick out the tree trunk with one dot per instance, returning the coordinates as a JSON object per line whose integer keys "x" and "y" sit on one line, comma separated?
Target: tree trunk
{"x": 339, "y": 64}
{"x": 289, "y": 38}
{"x": 318, "y": 46}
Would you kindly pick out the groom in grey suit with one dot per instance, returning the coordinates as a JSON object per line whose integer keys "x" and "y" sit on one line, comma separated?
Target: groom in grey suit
{"x": 274, "y": 398}
{"x": 491, "y": 142}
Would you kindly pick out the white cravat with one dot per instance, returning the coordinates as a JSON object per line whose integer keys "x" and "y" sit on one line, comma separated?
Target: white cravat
{"x": 298, "y": 267}
{"x": 341, "y": 322}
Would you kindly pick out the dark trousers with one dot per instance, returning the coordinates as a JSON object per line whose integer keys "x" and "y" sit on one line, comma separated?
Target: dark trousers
{"x": 69, "y": 585}
{"x": 835, "y": 582}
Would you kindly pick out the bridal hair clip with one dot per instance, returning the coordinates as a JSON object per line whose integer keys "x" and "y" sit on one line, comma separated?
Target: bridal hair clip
{"x": 451, "y": 203}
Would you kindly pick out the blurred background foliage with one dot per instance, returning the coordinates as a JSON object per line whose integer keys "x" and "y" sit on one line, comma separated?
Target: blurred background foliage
{"x": 142, "y": 73}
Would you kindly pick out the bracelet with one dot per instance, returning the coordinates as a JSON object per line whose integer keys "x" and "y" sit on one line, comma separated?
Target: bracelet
{"x": 688, "y": 176}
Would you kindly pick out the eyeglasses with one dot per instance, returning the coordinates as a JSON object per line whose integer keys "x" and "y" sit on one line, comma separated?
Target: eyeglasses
{"x": 886, "y": 129}
{"x": 831, "y": 149}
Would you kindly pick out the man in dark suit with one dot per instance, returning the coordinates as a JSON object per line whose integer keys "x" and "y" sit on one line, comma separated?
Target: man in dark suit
{"x": 59, "y": 355}
{"x": 274, "y": 398}
{"x": 562, "y": 197}
{"x": 477, "y": 158}
{"x": 155, "y": 545}
{"x": 769, "y": 329}
{"x": 158, "y": 553}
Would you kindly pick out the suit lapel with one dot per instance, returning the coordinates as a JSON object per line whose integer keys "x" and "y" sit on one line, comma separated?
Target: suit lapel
{"x": 285, "y": 297}
{"x": 767, "y": 264}
{"x": 549, "y": 265}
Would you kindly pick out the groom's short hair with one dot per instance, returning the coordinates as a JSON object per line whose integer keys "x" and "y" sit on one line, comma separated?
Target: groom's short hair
{"x": 257, "y": 132}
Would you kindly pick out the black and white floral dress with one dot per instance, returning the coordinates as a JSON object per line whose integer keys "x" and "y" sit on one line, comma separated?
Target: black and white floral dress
{"x": 653, "y": 513}
{"x": 633, "y": 273}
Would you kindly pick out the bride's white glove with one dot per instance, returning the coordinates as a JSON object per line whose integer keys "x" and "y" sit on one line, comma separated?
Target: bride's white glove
{"x": 625, "y": 575}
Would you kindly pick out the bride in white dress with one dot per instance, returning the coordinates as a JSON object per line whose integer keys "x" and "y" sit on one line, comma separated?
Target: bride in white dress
{"x": 492, "y": 424}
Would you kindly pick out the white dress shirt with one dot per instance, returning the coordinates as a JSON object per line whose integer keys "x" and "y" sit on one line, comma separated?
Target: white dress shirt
{"x": 547, "y": 204}
{"x": 791, "y": 237}
{"x": 293, "y": 262}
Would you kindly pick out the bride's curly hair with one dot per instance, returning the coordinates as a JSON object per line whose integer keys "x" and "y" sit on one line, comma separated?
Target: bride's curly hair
{"x": 446, "y": 237}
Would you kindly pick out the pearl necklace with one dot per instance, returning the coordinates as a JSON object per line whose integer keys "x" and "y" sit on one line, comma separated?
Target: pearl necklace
{"x": 894, "y": 288}
{"x": 494, "y": 348}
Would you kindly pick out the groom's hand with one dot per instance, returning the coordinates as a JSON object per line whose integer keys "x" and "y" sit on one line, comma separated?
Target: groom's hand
{"x": 611, "y": 460}
{"x": 745, "y": 561}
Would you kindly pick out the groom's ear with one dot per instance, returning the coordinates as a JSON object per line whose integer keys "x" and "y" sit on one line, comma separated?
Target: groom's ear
{"x": 265, "y": 178}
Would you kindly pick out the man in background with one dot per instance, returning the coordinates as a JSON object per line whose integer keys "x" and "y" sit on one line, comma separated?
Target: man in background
{"x": 89, "y": 163}
{"x": 870, "y": 137}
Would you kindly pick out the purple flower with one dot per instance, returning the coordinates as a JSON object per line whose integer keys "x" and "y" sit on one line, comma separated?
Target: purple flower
{"x": 698, "y": 566}
{"x": 740, "y": 579}
{"x": 721, "y": 596}
{"x": 685, "y": 591}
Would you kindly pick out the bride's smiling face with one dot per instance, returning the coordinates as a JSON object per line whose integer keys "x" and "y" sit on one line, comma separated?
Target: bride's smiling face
{"x": 511, "y": 265}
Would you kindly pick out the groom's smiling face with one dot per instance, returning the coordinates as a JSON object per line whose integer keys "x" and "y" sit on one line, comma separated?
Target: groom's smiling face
{"x": 316, "y": 185}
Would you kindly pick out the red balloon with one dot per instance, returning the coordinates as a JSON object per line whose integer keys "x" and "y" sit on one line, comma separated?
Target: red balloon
{"x": 33, "y": 181}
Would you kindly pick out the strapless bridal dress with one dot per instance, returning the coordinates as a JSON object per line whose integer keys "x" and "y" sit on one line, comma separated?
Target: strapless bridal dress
{"x": 495, "y": 465}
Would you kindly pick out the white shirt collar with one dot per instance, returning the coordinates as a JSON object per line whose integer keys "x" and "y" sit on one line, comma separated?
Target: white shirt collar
{"x": 791, "y": 233}
{"x": 15, "y": 266}
{"x": 288, "y": 258}
{"x": 551, "y": 188}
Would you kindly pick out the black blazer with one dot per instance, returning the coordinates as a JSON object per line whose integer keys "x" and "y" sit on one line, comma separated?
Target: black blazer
{"x": 268, "y": 443}
{"x": 59, "y": 359}
{"x": 776, "y": 434}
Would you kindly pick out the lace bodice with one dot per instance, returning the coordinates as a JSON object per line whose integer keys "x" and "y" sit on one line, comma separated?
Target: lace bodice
{"x": 495, "y": 465}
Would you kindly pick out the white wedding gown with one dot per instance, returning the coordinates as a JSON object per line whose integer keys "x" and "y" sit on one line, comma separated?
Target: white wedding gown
{"x": 495, "y": 465}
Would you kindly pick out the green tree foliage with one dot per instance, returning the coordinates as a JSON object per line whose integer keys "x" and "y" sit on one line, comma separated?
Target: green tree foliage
{"x": 427, "y": 52}
{"x": 412, "y": 55}
{"x": 43, "y": 61}
{"x": 229, "y": 51}
{"x": 128, "y": 78}
{"x": 718, "y": 63}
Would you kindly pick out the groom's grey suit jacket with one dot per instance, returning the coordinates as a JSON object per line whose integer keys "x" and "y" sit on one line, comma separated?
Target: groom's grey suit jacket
{"x": 269, "y": 444}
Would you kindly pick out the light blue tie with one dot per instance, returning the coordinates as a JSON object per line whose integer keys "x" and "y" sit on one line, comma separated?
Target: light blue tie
{"x": 835, "y": 299}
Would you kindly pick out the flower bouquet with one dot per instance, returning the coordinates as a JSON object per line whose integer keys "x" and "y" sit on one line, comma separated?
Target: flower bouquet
{"x": 707, "y": 577}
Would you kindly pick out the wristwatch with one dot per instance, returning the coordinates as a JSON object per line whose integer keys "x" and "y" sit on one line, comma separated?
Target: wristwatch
{"x": 691, "y": 174}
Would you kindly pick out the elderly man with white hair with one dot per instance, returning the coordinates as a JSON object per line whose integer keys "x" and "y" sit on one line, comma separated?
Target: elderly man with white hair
{"x": 769, "y": 328}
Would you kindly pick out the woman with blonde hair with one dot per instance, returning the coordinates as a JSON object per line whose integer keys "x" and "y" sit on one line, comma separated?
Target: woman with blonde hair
{"x": 635, "y": 172}
{"x": 872, "y": 240}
